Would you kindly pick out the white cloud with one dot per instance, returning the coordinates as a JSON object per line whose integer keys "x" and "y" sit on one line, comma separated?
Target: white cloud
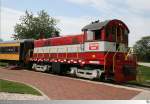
{"x": 98, "y": 4}
{"x": 139, "y": 4}
{"x": 72, "y": 25}
{"x": 103, "y": 4}
{"x": 9, "y": 18}
{"x": 138, "y": 25}
{"x": 133, "y": 13}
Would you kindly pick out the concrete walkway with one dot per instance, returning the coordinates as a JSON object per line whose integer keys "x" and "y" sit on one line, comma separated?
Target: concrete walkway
{"x": 143, "y": 95}
{"x": 15, "y": 96}
{"x": 60, "y": 87}
{"x": 144, "y": 64}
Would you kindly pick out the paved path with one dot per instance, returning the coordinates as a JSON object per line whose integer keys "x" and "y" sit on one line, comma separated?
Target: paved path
{"x": 144, "y": 64}
{"x": 59, "y": 87}
{"x": 15, "y": 96}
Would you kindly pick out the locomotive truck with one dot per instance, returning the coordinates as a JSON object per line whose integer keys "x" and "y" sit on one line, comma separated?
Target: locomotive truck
{"x": 100, "y": 52}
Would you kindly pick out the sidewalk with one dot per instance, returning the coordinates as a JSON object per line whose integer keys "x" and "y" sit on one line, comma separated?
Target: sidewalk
{"x": 15, "y": 96}
{"x": 144, "y": 64}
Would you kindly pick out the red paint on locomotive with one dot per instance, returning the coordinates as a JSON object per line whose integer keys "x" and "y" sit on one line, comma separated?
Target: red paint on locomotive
{"x": 85, "y": 49}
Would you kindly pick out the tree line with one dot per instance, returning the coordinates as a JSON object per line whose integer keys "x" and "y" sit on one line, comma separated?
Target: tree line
{"x": 142, "y": 49}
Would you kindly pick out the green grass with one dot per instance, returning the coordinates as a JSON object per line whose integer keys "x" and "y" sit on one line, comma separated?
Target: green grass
{"x": 3, "y": 64}
{"x": 143, "y": 76}
{"x": 15, "y": 87}
{"x": 145, "y": 72}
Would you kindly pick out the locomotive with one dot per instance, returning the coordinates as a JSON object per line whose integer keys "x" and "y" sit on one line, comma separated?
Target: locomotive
{"x": 99, "y": 52}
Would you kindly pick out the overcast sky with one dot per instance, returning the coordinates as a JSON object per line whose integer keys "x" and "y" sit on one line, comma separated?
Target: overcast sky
{"x": 74, "y": 14}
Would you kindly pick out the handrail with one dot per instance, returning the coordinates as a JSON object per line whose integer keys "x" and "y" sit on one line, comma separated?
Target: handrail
{"x": 106, "y": 56}
{"x": 57, "y": 52}
{"x": 114, "y": 59}
{"x": 128, "y": 54}
{"x": 43, "y": 52}
{"x": 37, "y": 53}
{"x": 77, "y": 52}
{"x": 27, "y": 56}
{"x": 49, "y": 55}
{"x": 116, "y": 35}
{"x": 66, "y": 52}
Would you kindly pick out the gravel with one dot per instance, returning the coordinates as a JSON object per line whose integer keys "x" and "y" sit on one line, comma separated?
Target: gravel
{"x": 15, "y": 96}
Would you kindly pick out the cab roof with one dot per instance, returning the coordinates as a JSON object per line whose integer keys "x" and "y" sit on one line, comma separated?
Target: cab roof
{"x": 99, "y": 25}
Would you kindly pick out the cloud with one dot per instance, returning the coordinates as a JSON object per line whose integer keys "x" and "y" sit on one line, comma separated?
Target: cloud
{"x": 68, "y": 25}
{"x": 9, "y": 18}
{"x": 97, "y": 4}
{"x": 137, "y": 23}
{"x": 102, "y": 4}
{"x": 134, "y": 13}
{"x": 139, "y": 4}
{"x": 73, "y": 25}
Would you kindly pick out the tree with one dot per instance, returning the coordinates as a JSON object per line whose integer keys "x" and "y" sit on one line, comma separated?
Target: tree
{"x": 1, "y": 40}
{"x": 142, "y": 48}
{"x": 40, "y": 26}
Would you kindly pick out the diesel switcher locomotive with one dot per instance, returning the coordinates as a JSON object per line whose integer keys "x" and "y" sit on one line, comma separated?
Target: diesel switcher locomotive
{"x": 100, "y": 52}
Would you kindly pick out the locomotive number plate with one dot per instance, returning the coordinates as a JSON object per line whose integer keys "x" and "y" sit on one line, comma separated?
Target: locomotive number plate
{"x": 93, "y": 46}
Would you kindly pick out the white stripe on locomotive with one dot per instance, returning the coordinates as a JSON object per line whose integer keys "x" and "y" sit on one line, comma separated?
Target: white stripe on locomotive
{"x": 103, "y": 46}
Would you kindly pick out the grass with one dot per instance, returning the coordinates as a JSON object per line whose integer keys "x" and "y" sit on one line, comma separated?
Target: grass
{"x": 145, "y": 72}
{"x": 143, "y": 76}
{"x": 15, "y": 87}
{"x": 3, "y": 64}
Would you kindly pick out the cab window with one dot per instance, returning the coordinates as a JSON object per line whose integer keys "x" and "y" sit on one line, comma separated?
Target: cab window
{"x": 90, "y": 35}
{"x": 93, "y": 35}
{"x": 108, "y": 31}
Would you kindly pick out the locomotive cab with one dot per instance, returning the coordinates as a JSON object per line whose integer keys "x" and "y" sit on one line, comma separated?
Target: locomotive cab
{"x": 110, "y": 39}
{"x": 113, "y": 31}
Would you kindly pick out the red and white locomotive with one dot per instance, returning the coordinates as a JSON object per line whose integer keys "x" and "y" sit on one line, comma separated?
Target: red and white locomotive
{"x": 101, "y": 52}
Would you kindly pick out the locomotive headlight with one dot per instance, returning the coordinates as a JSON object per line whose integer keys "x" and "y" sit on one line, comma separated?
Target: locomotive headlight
{"x": 93, "y": 56}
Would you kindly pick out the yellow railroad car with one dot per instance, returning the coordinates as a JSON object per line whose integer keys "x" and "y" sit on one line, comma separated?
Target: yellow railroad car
{"x": 9, "y": 50}
{"x": 15, "y": 50}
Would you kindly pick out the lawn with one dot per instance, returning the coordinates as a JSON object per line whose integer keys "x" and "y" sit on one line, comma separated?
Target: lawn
{"x": 3, "y": 64}
{"x": 145, "y": 72}
{"x": 143, "y": 76}
{"x": 15, "y": 87}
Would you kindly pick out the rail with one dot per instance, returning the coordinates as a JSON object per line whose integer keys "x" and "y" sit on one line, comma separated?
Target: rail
{"x": 114, "y": 58}
{"x": 126, "y": 57}
{"x": 77, "y": 52}
{"x": 57, "y": 53}
{"x": 133, "y": 58}
{"x": 66, "y": 52}
{"x": 49, "y": 55}
{"x": 37, "y": 53}
{"x": 43, "y": 53}
{"x": 106, "y": 56}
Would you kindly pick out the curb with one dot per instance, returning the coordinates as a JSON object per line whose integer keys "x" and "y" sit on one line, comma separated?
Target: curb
{"x": 43, "y": 94}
